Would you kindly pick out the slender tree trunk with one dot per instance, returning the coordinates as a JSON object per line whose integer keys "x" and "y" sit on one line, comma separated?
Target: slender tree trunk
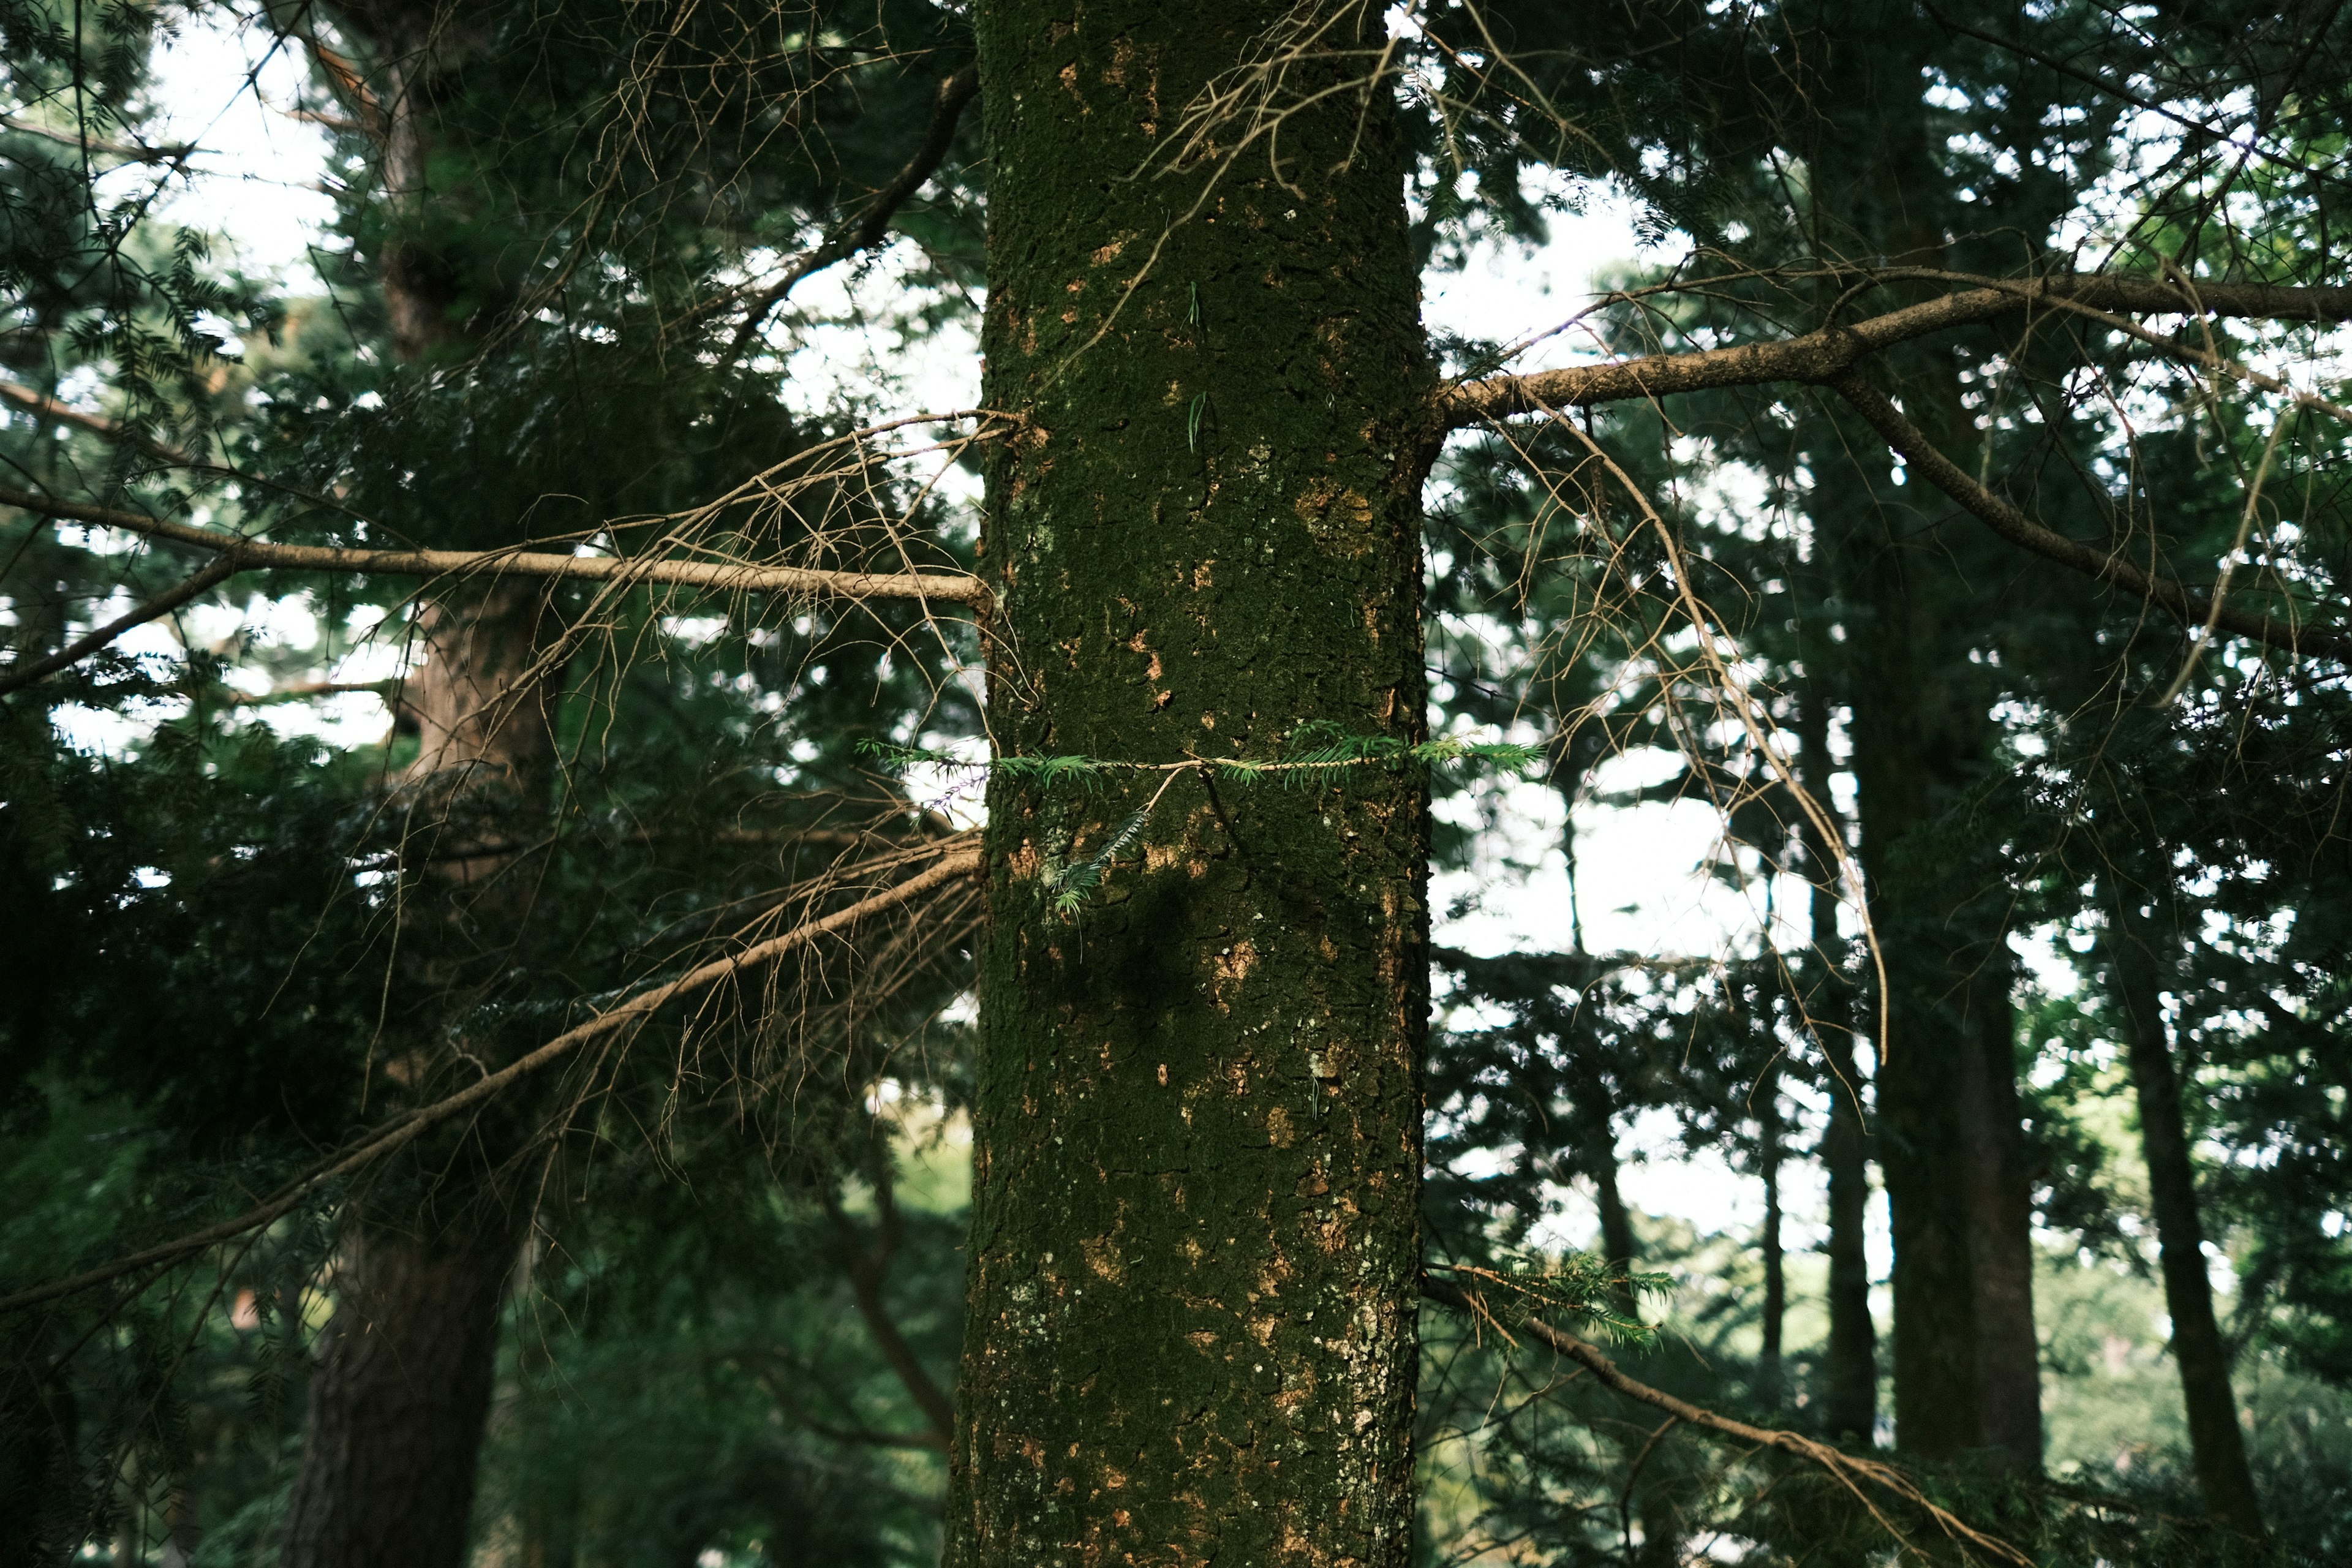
{"x": 1850, "y": 1394}
{"x": 2000, "y": 1220}
{"x": 1197, "y": 1126}
{"x": 2135, "y": 970}
{"x": 1776, "y": 1283}
{"x": 1618, "y": 1248}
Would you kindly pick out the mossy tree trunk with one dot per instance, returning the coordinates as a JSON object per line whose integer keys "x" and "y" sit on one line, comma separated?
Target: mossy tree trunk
{"x": 1195, "y": 1233}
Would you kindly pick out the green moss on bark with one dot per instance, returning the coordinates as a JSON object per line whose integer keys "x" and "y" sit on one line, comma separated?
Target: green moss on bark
{"x": 1195, "y": 1225}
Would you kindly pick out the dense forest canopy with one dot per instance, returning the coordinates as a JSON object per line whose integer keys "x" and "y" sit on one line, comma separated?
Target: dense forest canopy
{"x": 625, "y": 943}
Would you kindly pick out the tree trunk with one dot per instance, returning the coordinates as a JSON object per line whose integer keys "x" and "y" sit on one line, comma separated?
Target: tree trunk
{"x": 398, "y": 1400}
{"x": 1618, "y": 1248}
{"x": 2217, "y": 1447}
{"x": 1191, "y": 1330}
{"x": 1850, "y": 1394}
{"x": 401, "y": 1387}
{"x": 401, "y": 1382}
{"x": 1776, "y": 1283}
{"x": 2000, "y": 1220}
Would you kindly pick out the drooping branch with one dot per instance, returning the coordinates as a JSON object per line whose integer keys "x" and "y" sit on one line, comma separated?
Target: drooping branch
{"x": 1817, "y": 357}
{"x": 1849, "y": 1471}
{"x": 873, "y": 223}
{"x": 256, "y": 554}
{"x": 962, "y": 860}
{"x": 2193, "y": 609}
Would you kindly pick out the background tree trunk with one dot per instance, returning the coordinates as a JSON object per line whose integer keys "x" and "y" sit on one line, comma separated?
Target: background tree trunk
{"x": 1776, "y": 1283}
{"x": 1197, "y": 1128}
{"x": 398, "y": 1400}
{"x": 1850, "y": 1370}
{"x": 401, "y": 1387}
{"x": 2217, "y": 1447}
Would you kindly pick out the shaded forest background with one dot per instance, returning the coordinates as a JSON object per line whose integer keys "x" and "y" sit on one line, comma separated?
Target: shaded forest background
{"x": 2077, "y": 857}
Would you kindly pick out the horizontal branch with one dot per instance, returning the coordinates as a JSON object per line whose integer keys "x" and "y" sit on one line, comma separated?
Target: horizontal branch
{"x": 1851, "y": 1471}
{"x": 2192, "y": 608}
{"x": 401, "y": 1131}
{"x": 256, "y": 554}
{"x": 1818, "y": 356}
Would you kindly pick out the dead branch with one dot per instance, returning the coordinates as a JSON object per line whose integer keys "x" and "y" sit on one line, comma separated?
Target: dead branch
{"x": 867, "y": 1267}
{"x": 874, "y": 223}
{"x": 1820, "y": 356}
{"x": 255, "y": 555}
{"x": 961, "y": 860}
{"x": 41, "y": 407}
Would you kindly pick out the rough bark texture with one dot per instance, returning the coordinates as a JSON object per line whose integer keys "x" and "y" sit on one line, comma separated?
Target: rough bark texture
{"x": 1197, "y": 1131}
{"x": 397, "y": 1402}
{"x": 2217, "y": 1447}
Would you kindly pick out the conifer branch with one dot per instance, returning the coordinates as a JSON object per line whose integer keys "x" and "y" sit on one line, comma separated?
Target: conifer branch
{"x": 15, "y": 677}
{"x": 2193, "y": 609}
{"x": 873, "y": 223}
{"x": 1820, "y": 356}
{"x": 259, "y": 555}
{"x": 961, "y": 860}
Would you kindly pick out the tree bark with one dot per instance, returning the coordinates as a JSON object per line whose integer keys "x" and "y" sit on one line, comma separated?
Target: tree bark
{"x": 2135, "y": 970}
{"x": 398, "y": 1400}
{"x": 1190, "y": 1331}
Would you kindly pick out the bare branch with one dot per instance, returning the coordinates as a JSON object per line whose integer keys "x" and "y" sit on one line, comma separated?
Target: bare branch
{"x": 874, "y": 223}
{"x": 1818, "y": 356}
{"x": 867, "y": 1267}
{"x": 2192, "y": 608}
{"x": 17, "y": 678}
{"x": 255, "y": 554}
{"x": 961, "y": 860}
